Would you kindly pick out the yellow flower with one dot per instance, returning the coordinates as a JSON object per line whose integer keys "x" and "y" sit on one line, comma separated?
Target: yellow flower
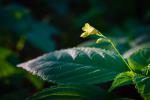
{"x": 89, "y": 30}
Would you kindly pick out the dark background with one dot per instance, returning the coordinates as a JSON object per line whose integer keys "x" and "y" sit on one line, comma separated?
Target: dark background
{"x": 30, "y": 28}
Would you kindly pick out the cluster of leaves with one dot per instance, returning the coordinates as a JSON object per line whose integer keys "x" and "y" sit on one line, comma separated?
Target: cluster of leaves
{"x": 29, "y": 28}
{"x": 77, "y": 70}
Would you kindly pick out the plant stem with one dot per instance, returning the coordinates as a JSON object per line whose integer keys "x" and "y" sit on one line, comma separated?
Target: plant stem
{"x": 116, "y": 50}
{"x": 119, "y": 53}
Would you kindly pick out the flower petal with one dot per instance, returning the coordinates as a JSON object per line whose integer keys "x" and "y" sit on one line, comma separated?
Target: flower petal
{"x": 84, "y": 35}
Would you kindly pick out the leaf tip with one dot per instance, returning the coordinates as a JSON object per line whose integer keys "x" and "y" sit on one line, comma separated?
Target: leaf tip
{"x": 23, "y": 65}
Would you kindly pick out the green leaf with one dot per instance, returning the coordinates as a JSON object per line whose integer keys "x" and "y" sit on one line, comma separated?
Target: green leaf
{"x": 77, "y": 66}
{"x": 40, "y": 36}
{"x": 143, "y": 85}
{"x": 139, "y": 60}
{"x": 70, "y": 92}
{"x": 6, "y": 69}
{"x": 121, "y": 79}
{"x": 128, "y": 53}
{"x": 4, "y": 53}
{"x": 38, "y": 83}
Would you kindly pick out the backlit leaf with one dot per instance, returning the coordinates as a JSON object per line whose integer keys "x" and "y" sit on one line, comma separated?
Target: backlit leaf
{"x": 77, "y": 66}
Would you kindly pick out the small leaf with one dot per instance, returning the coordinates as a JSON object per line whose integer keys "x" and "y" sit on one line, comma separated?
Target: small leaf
{"x": 139, "y": 60}
{"x": 4, "y": 53}
{"x": 121, "y": 79}
{"x": 143, "y": 85}
{"x": 77, "y": 66}
{"x": 6, "y": 69}
{"x": 70, "y": 92}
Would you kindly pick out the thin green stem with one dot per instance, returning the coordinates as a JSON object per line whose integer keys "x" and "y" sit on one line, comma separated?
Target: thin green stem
{"x": 115, "y": 50}
{"x": 119, "y": 54}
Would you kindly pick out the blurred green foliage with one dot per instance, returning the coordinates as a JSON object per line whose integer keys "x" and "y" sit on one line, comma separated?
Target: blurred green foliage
{"x": 31, "y": 28}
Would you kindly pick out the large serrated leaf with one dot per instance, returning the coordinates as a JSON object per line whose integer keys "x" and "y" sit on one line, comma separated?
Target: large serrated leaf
{"x": 77, "y": 66}
{"x": 70, "y": 92}
{"x": 121, "y": 79}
